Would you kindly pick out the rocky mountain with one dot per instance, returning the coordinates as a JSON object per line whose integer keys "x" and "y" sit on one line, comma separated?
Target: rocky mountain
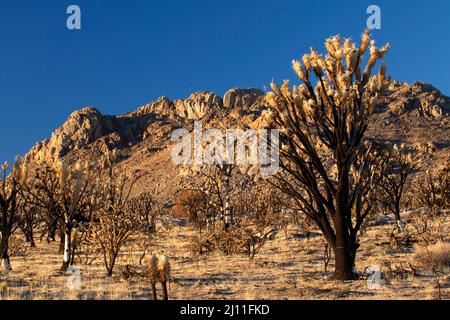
{"x": 416, "y": 114}
{"x": 153, "y": 122}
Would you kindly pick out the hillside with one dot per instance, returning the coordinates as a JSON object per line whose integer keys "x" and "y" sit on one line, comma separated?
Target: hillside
{"x": 416, "y": 114}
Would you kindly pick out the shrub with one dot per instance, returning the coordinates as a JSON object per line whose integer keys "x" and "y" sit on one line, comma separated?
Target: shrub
{"x": 434, "y": 256}
{"x": 433, "y": 190}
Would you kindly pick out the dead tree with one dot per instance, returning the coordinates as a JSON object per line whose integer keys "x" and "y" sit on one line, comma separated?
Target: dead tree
{"x": 43, "y": 193}
{"x": 74, "y": 196}
{"x": 27, "y": 217}
{"x": 145, "y": 208}
{"x": 433, "y": 189}
{"x": 262, "y": 204}
{"x": 192, "y": 204}
{"x": 399, "y": 167}
{"x": 323, "y": 123}
{"x": 10, "y": 188}
{"x": 216, "y": 184}
{"x": 326, "y": 257}
{"x": 114, "y": 223}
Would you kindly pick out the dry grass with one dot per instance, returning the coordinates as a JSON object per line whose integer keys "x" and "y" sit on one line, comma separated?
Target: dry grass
{"x": 289, "y": 268}
{"x": 436, "y": 255}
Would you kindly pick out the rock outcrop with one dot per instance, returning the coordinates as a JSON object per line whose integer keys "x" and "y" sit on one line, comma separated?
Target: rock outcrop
{"x": 414, "y": 114}
{"x": 241, "y": 98}
{"x": 198, "y": 105}
{"x": 161, "y": 106}
{"x": 421, "y": 98}
{"x": 82, "y": 128}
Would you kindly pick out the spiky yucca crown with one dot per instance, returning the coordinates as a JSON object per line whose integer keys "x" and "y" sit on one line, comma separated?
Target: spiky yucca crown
{"x": 340, "y": 80}
{"x": 158, "y": 268}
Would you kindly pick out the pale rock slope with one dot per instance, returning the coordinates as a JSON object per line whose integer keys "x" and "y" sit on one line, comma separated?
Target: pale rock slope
{"x": 416, "y": 114}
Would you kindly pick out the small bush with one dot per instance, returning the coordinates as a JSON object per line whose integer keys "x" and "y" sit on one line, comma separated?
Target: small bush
{"x": 436, "y": 256}
{"x": 242, "y": 237}
{"x": 17, "y": 247}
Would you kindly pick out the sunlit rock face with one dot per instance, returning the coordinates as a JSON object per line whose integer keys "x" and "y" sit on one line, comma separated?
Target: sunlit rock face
{"x": 83, "y": 127}
{"x": 415, "y": 114}
{"x": 198, "y": 105}
{"x": 419, "y": 98}
{"x": 241, "y": 98}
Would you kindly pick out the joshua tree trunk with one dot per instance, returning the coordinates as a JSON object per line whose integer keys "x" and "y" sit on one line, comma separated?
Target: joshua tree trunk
{"x": 400, "y": 223}
{"x": 344, "y": 258}
{"x": 344, "y": 248}
{"x": 164, "y": 287}
{"x": 62, "y": 238}
{"x": 344, "y": 269}
{"x": 32, "y": 243}
{"x": 4, "y": 237}
{"x": 29, "y": 236}
{"x": 5, "y": 261}
{"x": 110, "y": 261}
{"x": 66, "y": 259}
{"x": 155, "y": 297}
{"x": 4, "y": 250}
{"x": 52, "y": 231}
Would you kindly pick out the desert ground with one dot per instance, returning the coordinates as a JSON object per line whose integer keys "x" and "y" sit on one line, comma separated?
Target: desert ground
{"x": 290, "y": 266}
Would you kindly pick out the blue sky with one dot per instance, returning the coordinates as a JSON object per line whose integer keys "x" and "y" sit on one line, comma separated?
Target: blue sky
{"x": 129, "y": 53}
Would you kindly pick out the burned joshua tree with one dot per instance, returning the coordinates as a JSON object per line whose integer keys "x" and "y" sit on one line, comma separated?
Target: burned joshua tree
{"x": 400, "y": 165}
{"x": 433, "y": 189}
{"x": 9, "y": 192}
{"x": 27, "y": 220}
{"x": 323, "y": 123}
{"x": 114, "y": 221}
{"x": 42, "y": 191}
{"x": 75, "y": 196}
{"x": 192, "y": 204}
{"x": 209, "y": 200}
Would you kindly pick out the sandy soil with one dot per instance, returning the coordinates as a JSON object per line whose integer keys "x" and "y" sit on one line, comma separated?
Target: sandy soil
{"x": 285, "y": 268}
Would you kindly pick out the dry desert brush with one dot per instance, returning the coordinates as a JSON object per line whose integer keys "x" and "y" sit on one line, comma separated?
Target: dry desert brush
{"x": 62, "y": 195}
{"x": 115, "y": 221}
{"x": 432, "y": 190}
{"x": 400, "y": 165}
